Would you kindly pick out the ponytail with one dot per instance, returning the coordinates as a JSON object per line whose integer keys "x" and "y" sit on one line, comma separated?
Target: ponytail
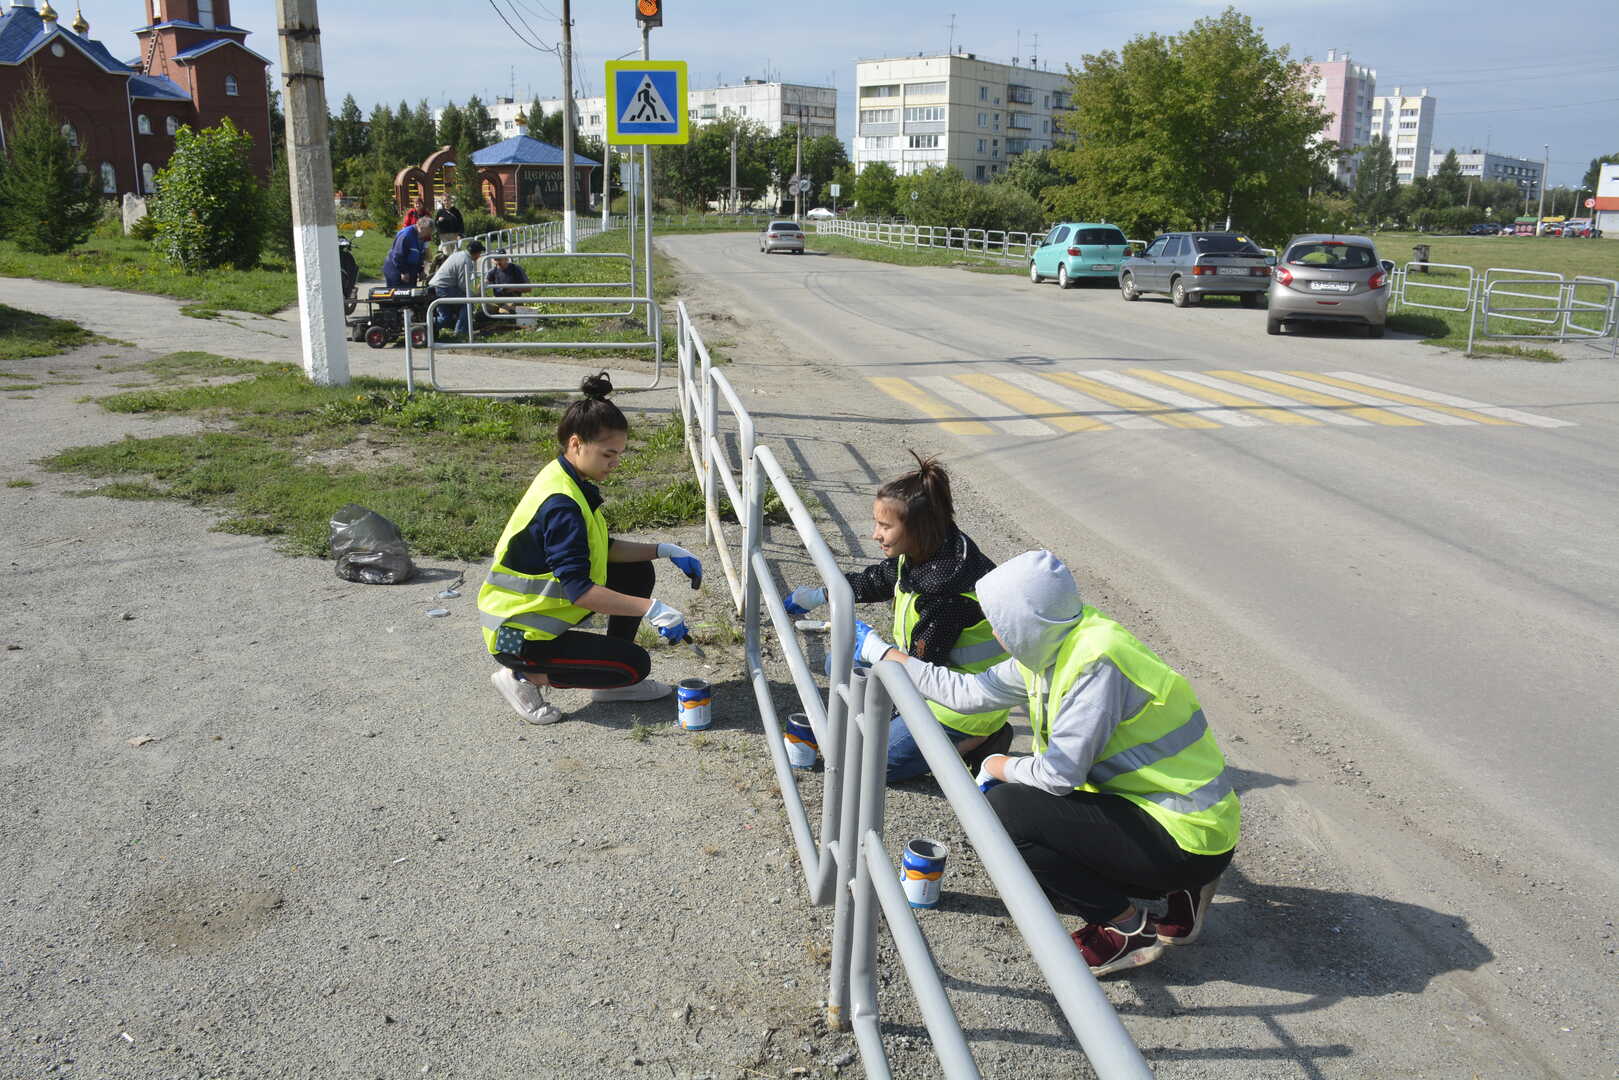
{"x": 925, "y": 506}
{"x": 592, "y": 416}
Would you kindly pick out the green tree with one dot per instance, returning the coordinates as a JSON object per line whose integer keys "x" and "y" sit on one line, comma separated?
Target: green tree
{"x": 48, "y": 200}
{"x": 533, "y": 118}
{"x": 210, "y": 207}
{"x": 387, "y": 143}
{"x": 451, "y": 126}
{"x": 823, "y": 156}
{"x": 278, "y": 231}
{"x": 876, "y": 191}
{"x": 278, "y": 117}
{"x": 380, "y": 201}
{"x": 1449, "y": 185}
{"x": 420, "y": 136}
{"x": 546, "y": 127}
{"x": 1035, "y": 173}
{"x": 468, "y": 186}
{"x": 944, "y": 197}
{"x": 1594, "y": 173}
{"x": 1376, "y": 184}
{"x": 480, "y": 125}
{"x": 1192, "y": 129}
{"x": 351, "y": 143}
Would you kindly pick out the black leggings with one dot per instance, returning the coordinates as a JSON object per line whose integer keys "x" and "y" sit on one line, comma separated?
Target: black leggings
{"x": 578, "y": 660}
{"x": 1093, "y": 852}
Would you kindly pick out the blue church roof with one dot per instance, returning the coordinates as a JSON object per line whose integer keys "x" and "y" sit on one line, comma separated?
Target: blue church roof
{"x": 23, "y": 33}
{"x": 524, "y": 150}
{"x": 160, "y": 87}
{"x": 209, "y": 46}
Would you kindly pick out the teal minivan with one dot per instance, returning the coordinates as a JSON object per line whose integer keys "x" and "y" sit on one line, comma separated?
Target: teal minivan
{"x": 1074, "y": 250}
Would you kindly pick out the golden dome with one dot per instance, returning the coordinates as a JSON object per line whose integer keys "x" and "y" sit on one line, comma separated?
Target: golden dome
{"x": 81, "y": 25}
{"x": 47, "y": 12}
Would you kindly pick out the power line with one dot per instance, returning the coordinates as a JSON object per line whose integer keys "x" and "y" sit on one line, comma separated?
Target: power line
{"x": 1531, "y": 108}
{"x": 541, "y": 47}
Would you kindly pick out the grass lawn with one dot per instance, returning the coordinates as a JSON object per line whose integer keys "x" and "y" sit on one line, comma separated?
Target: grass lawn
{"x": 283, "y": 454}
{"x": 904, "y": 256}
{"x": 24, "y": 334}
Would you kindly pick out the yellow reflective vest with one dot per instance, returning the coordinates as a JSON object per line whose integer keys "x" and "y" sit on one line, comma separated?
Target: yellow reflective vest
{"x": 537, "y": 602}
{"x": 974, "y": 651}
{"x": 1163, "y": 758}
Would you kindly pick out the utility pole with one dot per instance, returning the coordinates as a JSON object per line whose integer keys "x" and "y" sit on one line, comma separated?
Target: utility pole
{"x": 314, "y": 215}
{"x": 736, "y": 203}
{"x": 568, "y": 225}
{"x": 654, "y": 313}
{"x": 1545, "y": 168}
{"x": 798, "y": 170}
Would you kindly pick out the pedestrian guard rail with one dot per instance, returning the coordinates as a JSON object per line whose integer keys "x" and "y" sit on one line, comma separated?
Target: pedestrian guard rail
{"x": 1546, "y": 305}
{"x": 847, "y": 864}
{"x": 994, "y": 244}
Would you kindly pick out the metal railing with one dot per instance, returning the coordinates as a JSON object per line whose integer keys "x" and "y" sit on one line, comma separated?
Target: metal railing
{"x": 847, "y": 865}
{"x": 1556, "y": 311}
{"x": 992, "y": 244}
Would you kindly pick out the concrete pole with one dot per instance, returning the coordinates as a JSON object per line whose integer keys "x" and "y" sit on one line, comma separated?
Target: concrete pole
{"x": 646, "y": 193}
{"x": 798, "y": 169}
{"x": 314, "y": 215}
{"x": 569, "y": 227}
{"x": 1545, "y": 169}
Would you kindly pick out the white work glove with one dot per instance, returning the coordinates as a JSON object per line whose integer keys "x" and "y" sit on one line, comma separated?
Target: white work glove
{"x": 669, "y": 622}
{"x": 868, "y": 646}
{"x": 684, "y": 561}
{"x": 804, "y": 599}
{"x": 985, "y": 779}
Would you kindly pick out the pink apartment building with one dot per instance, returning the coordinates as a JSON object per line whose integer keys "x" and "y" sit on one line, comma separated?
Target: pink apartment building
{"x": 1345, "y": 89}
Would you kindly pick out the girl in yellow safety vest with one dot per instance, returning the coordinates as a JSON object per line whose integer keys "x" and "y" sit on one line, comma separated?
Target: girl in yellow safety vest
{"x": 555, "y": 565}
{"x": 929, "y": 570}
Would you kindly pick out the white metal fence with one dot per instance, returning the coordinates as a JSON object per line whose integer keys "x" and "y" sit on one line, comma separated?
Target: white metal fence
{"x": 1510, "y": 304}
{"x": 848, "y": 865}
{"x": 1013, "y": 248}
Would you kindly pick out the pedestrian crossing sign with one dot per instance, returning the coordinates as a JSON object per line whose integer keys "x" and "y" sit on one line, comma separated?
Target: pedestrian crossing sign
{"x": 646, "y": 102}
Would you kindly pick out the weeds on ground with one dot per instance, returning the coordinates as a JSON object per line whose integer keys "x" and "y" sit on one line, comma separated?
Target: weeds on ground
{"x": 445, "y": 468}
{"x": 19, "y": 483}
{"x": 639, "y": 733}
{"x": 24, "y": 334}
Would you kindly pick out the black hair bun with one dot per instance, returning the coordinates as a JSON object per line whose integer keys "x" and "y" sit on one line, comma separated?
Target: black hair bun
{"x": 597, "y": 386}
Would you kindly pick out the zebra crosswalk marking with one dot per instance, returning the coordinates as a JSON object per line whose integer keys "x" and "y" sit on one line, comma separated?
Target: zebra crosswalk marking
{"x": 1513, "y": 415}
{"x": 1311, "y": 397}
{"x": 1405, "y": 399}
{"x": 979, "y": 405}
{"x": 1075, "y": 401}
{"x": 1276, "y": 408}
{"x": 1031, "y": 404}
{"x": 1133, "y": 402}
{"x": 1426, "y": 416}
{"x": 926, "y": 403}
{"x": 1197, "y": 406}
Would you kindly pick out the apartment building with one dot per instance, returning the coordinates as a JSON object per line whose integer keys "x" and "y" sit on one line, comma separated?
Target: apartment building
{"x": 1483, "y": 165}
{"x": 1347, "y": 91}
{"x": 1405, "y": 123}
{"x": 774, "y": 104}
{"x": 917, "y": 112}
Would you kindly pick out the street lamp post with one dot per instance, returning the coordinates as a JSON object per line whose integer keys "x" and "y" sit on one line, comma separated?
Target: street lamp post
{"x": 1544, "y": 169}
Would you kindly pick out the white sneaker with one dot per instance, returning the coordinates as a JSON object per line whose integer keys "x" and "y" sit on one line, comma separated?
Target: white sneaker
{"x": 526, "y": 699}
{"x": 645, "y": 690}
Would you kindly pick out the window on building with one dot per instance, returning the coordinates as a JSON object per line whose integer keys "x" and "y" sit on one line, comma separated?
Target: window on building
{"x": 71, "y": 134}
{"x": 886, "y": 90}
{"x": 982, "y": 146}
{"x": 878, "y": 142}
{"x": 925, "y": 89}
{"x": 230, "y": 86}
{"x": 997, "y": 121}
{"x": 995, "y": 151}
{"x": 924, "y": 114}
{"x": 148, "y": 178}
{"x": 143, "y": 124}
{"x": 205, "y": 12}
{"x": 983, "y": 119}
{"x": 725, "y": 110}
{"x": 979, "y": 172}
{"x": 171, "y": 124}
{"x": 983, "y": 93}
{"x": 879, "y": 116}
{"x": 923, "y": 142}
{"x": 1048, "y": 101}
{"x": 1045, "y": 127}
{"x": 109, "y": 179}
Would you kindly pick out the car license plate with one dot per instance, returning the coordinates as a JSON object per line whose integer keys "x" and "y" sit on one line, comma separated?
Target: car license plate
{"x": 1239, "y": 270}
{"x": 1331, "y": 286}
{"x": 1103, "y": 266}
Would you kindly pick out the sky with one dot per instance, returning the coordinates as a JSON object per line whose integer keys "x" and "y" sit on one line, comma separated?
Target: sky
{"x": 1505, "y": 78}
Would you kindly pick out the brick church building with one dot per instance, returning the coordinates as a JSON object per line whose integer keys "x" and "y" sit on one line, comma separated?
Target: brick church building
{"x": 193, "y": 68}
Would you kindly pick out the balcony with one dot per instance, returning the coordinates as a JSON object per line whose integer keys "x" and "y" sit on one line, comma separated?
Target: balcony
{"x": 1021, "y": 122}
{"x": 1017, "y": 146}
{"x": 1020, "y": 95}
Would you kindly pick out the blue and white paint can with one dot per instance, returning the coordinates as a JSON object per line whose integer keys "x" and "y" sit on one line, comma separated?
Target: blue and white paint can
{"x": 802, "y": 748}
{"x": 921, "y": 871}
{"x": 694, "y": 701}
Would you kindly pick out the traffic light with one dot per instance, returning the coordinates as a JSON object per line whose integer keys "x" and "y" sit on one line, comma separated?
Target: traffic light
{"x": 649, "y": 12}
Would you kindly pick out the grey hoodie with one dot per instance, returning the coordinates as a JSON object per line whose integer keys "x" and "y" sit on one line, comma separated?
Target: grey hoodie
{"x": 1032, "y": 604}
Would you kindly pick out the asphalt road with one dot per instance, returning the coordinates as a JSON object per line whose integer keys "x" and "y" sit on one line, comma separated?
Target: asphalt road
{"x": 1432, "y": 567}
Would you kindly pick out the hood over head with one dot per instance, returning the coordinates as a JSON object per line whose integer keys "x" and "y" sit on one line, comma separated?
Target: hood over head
{"x": 1032, "y": 603}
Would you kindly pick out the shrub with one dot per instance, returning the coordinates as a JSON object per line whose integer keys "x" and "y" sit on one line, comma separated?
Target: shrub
{"x": 481, "y": 221}
{"x": 48, "y": 200}
{"x": 278, "y": 235}
{"x": 379, "y": 201}
{"x": 210, "y": 208}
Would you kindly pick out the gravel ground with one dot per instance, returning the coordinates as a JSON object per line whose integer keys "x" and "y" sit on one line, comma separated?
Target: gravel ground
{"x": 261, "y": 822}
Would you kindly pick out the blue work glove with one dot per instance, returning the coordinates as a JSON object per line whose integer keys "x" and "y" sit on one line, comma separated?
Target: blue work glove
{"x": 804, "y": 599}
{"x": 684, "y": 561}
{"x": 669, "y": 622}
{"x": 869, "y": 647}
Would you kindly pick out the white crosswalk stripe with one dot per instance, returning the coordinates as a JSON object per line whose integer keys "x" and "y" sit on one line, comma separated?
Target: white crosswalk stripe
{"x": 980, "y": 406}
{"x": 1326, "y": 416}
{"x": 1514, "y": 415}
{"x": 1230, "y": 417}
{"x": 1078, "y": 402}
{"x": 1415, "y": 412}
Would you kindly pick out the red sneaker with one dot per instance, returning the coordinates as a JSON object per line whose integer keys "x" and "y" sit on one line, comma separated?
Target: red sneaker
{"x": 1187, "y": 909}
{"x": 1107, "y": 949}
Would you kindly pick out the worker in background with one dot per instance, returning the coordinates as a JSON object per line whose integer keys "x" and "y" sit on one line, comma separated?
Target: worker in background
{"x": 454, "y": 278}
{"x": 504, "y": 272}
{"x": 1126, "y": 793}
{"x": 555, "y": 564}
{"x": 929, "y": 570}
{"x": 403, "y": 264}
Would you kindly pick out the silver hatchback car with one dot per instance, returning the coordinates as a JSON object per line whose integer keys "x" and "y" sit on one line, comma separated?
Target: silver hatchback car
{"x": 1329, "y": 278}
{"x": 782, "y": 236}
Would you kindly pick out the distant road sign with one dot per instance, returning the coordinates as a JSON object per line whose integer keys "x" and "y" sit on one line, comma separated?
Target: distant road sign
{"x": 835, "y": 189}
{"x": 804, "y": 186}
{"x": 646, "y": 102}
{"x": 1590, "y": 204}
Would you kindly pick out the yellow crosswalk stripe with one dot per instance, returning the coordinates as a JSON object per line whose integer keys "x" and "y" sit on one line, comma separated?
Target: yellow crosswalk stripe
{"x": 1131, "y": 402}
{"x": 923, "y": 402}
{"x": 1403, "y": 399}
{"x": 1273, "y": 413}
{"x": 1310, "y": 397}
{"x": 1031, "y": 405}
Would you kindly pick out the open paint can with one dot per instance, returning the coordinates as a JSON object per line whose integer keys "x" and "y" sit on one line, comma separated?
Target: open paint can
{"x": 800, "y": 737}
{"x": 921, "y": 870}
{"x": 694, "y": 702}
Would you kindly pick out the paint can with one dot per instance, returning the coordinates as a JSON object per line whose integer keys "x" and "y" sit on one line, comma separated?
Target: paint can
{"x": 800, "y": 737}
{"x": 694, "y": 701}
{"x": 921, "y": 871}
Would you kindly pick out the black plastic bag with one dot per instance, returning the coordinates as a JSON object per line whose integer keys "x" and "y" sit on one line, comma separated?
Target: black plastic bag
{"x": 368, "y": 547}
